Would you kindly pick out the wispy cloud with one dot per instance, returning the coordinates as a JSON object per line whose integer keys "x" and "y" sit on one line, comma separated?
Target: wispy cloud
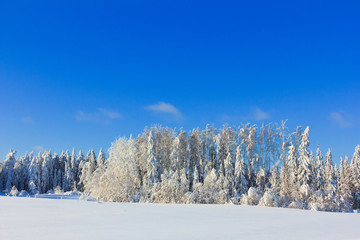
{"x": 342, "y": 119}
{"x": 255, "y": 114}
{"x": 40, "y": 148}
{"x": 101, "y": 115}
{"x": 167, "y": 108}
{"x": 259, "y": 115}
{"x": 110, "y": 113}
{"x": 28, "y": 120}
{"x": 84, "y": 117}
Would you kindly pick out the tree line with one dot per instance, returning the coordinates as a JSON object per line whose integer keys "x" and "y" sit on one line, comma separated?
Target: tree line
{"x": 266, "y": 165}
{"x": 46, "y": 172}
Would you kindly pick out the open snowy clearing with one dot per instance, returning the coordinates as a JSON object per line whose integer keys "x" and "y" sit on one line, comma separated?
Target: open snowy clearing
{"x": 37, "y": 218}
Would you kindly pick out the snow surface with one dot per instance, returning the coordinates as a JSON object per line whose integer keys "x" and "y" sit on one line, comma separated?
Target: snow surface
{"x": 41, "y": 218}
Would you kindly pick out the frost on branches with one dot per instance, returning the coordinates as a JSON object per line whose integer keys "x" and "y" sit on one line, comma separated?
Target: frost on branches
{"x": 266, "y": 166}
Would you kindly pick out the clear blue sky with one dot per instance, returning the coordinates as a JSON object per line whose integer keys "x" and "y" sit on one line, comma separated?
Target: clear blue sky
{"x": 81, "y": 73}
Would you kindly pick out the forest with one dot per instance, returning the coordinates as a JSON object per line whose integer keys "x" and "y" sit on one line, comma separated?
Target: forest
{"x": 265, "y": 165}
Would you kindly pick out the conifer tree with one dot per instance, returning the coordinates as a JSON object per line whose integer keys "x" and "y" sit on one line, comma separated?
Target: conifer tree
{"x": 344, "y": 190}
{"x": 101, "y": 158}
{"x": 152, "y": 173}
{"x": 9, "y": 173}
{"x": 240, "y": 173}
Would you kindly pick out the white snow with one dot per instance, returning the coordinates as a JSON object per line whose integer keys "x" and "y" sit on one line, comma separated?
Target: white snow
{"x": 40, "y": 218}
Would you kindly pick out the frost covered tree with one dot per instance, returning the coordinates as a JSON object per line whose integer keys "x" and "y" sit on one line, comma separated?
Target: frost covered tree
{"x": 240, "y": 180}
{"x": 330, "y": 179}
{"x": 152, "y": 173}
{"x": 34, "y": 175}
{"x": 68, "y": 179}
{"x": 229, "y": 175}
{"x": 269, "y": 167}
{"x": 305, "y": 176}
{"x": 9, "y": 173}
{"x": 319, "y": 171}
{"x": 46, "y": 172}
{"x": 101, "y": 158}
{"x": 120, "y": 181}
{"x": 194, "y": 156}
{"x": 355, "y": 178}
{"x": 345, "y": 185}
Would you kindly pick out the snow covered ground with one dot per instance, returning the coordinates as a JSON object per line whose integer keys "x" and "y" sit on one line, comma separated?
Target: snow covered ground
{"x": 41, "y": 218}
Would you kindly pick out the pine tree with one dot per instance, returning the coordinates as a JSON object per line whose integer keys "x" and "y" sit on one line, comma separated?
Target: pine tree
{"x": 18, "y": 178}
{"x": 330, "y": 180}
{"x": 46, "y": 177}
{"x": 152, "y": 173}
{"x": 286, "y": 188}
{"x": 74, "y": 168}
{"x": 101, "y": 158}
{"x": 251, "y": 155}
{"x": 260, "y": 179}
{"x": 34, "y": 175}
{"x": 56, "y": 181}
{"x": 240, "y": 173}
{"x": 319, "y": 167}
{"x": 9, "y": 174}
{"x": 293, "y": 181}
{"x": 82, "y": 162}
{"x": 229, "y": 175}
{"x": 194, "y": 156}
{"x": 355, "y": 177}
{"x": 25, "y": 162}
{"x": 345, "y": 184}
{"x": 305, "y": 169}
{"x": 274, "y": 181}
{"x": 68, "y": 174}
{"x": 175, "y": 156}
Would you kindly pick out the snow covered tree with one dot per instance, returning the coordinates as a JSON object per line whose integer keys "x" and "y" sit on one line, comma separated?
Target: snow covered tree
{"x": 194, "y": 155}
{"x": 175, "y": 156}
{"x": 319, "y": 171}
{"x": 68, "y": 174}
{"x": 330, "y": 180}
{"x": 344, "y": 190}
{"x": 239, "y": 165}
{"x": 152, "y": 173}
{"x": 291, "y": 176}
{"x": 274, "y": 181}
{"x": 260, "y": 179}
{"x": 355, "y": 178}
{"x": 74, "y": 169}
{"x": 287, "y": 184}
{"x": 101, "y": 158}
{"x": 229, "y": 175}
{"x": 46, "y": 173}
{"x": 9, "y": 174}
{"x": 305, "y": 176}
{"x": 57, "y": 176}
{"x": 34, "y": 175}
{"x": 240, "y": 173}
{"x": 120, "y": 182}
{"x": 171, "y": 189}
{"x": 251, "y": 144}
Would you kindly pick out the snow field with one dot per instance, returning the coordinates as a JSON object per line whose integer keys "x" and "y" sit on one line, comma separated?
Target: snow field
{"x": 30, "y": 218}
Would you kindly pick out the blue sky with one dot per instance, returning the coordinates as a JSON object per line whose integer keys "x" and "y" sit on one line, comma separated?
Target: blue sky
{"x": 82, "y": 73}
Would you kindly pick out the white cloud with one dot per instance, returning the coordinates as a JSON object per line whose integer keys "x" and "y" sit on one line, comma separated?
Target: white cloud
{"x": 259, "y": 114}
{"x": 341, "y": 118}
{"x": 39, "y": 148}
{"x": 110, "y": 113}
{"x": 162, "y": 107}
{"x": 102, "y": 115}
